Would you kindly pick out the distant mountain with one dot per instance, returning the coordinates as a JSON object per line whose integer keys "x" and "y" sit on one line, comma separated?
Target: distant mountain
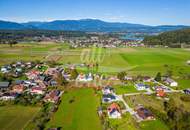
{"x": 88, "y": 25}
{"x": 6, "y": 25}
{"x": 11, "y": 25}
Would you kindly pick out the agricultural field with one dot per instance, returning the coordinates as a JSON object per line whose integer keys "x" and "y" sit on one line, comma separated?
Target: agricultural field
{"x": 16, "y": 117}
{"x": 144, "y": 61}
{"x": 77, "y": 111}
{"x": 136, "y": 61}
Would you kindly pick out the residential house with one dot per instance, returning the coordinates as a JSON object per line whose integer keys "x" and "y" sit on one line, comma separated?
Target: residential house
{"x": 18, "y": 88}
{"x": 128, "y": 78}
{"x": 33, "y": 74}
{"x": 53, "y": 82}
{"x": 6, "y": 69}
{"x": 160, "y": 92}
{"x": 37, "y": 90}
{"x": 108, "y": 90}
{"x": 84, "y": 77}
{"x": 51, "y": 71}
{"x": 8, "y": 96}
{"x": 4, "y": 86}
{"x": 114, "y": 78}
{"x": 114, "y": 111}
{"x": 170, "y": 82}
{"x": 147, "y": 79}
{"x": 187, "y": 91}
{"x": 17, "y": 82}
{"x": 108, "y": 98}
{"x": 28, "y": 65}
{"x": 141, "y": 86}
{"x": 144, "y": 113}
{"x": 52, "y": 96}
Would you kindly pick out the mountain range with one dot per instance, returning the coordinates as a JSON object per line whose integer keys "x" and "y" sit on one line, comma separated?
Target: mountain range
{"x": 88, "y": 25}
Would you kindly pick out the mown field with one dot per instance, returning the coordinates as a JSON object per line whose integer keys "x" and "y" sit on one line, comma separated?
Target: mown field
{"x": 135, "y": 60}
{"x": 16, "y": 117}
{"x": 77, "y": 111}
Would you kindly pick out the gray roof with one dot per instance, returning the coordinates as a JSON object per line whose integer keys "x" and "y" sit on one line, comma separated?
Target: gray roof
{"x": 4, "y": 84}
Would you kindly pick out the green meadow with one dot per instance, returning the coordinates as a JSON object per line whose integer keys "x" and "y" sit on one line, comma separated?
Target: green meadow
{"x": 77, "y": 111}
{"x": 16, "y": 117}
{"x": 144, "y": 61}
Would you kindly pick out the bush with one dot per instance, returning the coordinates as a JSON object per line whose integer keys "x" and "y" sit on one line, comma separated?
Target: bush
{"x": 185, "y": 98}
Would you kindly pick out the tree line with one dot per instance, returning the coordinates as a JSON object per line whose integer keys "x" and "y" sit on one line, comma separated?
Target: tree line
{"x": 170, "y": 39}
{"x": 20, "y": 35}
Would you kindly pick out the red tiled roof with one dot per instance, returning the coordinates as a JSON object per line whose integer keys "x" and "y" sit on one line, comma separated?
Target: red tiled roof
{"x": 113, "y": 106}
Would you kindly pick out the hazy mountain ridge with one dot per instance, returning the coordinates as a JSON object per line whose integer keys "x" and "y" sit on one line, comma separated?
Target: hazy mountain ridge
{"x": 88, "y": 25}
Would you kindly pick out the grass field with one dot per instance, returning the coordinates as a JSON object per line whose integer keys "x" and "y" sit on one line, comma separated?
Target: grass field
{"x": 124, "y": 89}
{"x": 183, "y": 83}
{"x": 81, "y": 114}
{"x": 136, "y": 61}
{"x": 16, "y": 117}
{"x": 153, "y": 125}
{"x": 144, "y": 61}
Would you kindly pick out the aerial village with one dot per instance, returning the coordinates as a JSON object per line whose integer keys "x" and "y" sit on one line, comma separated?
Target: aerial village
{"x": 41, "y": 82}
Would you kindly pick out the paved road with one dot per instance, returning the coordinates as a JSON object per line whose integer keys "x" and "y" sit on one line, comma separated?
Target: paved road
{"x": 129, "y": 109}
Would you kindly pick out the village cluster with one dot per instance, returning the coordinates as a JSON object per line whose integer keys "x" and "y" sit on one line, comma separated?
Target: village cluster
{"x": 145, "y": 85}
{"x": 107, "y": 43}
{"x": 35, "y": 78}
{"x": 30, "y": 78}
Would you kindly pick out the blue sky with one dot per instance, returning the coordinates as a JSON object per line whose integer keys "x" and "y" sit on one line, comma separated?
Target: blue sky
{"x": 150, "y": 12}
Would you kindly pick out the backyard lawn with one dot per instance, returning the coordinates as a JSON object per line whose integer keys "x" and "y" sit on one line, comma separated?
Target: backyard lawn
{"x": 77, "y": 111}
{"x": 125, "y": 123}
{"x": 183, "y": 84}
{"x": 145, "y": 100}
{"x": 16, "y": 117}
{"x": 124, "y": 89}
{"x": 153, "y": 125}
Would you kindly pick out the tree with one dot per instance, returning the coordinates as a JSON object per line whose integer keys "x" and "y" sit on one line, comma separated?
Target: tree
{"x": 158, "y": 77}
{"x": 12, "y": 42}
{"x": 121, "y": 75}
{"x": 74, "y": 74}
